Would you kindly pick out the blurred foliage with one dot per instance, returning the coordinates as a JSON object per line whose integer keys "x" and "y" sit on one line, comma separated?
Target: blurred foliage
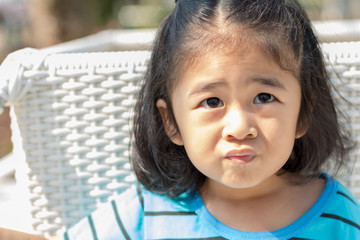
{"x": 152, "y": 16}
{"x": 108, "y": 11}
{"x": 150, "y": 11}
{"x": 143, "y": 16}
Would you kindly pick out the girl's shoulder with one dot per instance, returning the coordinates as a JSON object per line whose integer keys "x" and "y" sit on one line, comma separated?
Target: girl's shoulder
{"x": 338, "y": 214}
{"x": 344, "y": 206}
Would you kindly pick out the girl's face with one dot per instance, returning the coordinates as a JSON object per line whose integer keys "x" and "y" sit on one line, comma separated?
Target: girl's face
{"x": 237, "y": 116}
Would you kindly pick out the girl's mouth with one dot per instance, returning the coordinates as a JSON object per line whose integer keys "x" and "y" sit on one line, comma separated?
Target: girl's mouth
{"x": 240, "y": 156}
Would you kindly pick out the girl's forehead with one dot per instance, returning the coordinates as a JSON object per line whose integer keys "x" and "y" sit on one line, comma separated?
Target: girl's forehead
{"x": 225, "y": 54}
{"x": 203, "y": 46}
{"x": 229, "y": 38}
{"x": 219, "y": 64}
{"x": 234, "y": 53}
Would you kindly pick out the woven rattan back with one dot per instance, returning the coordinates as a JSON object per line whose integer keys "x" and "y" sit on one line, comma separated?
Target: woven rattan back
{"x": 72, "y": 126}
{"x": 71, "y": 121}
{"x": 343, "y": 64}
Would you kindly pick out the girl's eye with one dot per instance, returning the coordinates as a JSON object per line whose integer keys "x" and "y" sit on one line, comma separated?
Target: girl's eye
{"x": 264, "y": 98}
{"x": 212, "y": 103}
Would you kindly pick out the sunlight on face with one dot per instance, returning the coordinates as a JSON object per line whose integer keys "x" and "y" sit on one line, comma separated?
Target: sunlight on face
{"x": 237, "y": 116}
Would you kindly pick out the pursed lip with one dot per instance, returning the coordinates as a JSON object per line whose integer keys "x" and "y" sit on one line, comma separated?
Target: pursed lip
{"x": 240, "y": 155}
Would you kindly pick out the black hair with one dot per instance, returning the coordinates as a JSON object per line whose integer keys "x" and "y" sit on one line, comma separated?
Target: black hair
{"x": 284, "y": 32}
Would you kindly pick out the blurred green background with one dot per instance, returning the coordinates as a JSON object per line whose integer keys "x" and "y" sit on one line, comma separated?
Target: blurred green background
{"x": 42, "y": 23}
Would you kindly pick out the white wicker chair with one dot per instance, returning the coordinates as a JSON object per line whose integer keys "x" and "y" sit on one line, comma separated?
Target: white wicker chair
{"x": 71, "y": 118}
{"x": 343, "y": 64}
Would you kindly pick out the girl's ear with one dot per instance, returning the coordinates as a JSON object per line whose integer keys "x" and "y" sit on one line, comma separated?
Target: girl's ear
{"x": 299, "y": 133}
{"x": 170, "y": 129}
{"x": 300, "y": 130}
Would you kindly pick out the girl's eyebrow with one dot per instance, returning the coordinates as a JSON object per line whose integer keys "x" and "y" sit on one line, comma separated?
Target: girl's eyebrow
{"x": 207, "y": 86}
{"x": 203, "y": 87}
{"x": 269, "y": 81}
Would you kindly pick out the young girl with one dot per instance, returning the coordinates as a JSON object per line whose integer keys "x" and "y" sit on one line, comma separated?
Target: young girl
{"x": 234, "y": 123}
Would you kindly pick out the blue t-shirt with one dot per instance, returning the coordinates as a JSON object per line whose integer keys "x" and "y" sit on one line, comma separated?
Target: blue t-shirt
{"x": 139, "y": 214}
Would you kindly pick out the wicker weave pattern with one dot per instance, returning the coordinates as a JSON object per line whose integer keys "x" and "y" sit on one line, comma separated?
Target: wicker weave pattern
{"x": 72, "y": 126}
{"x": 343, "y": 63}
{"x": 74, "y": 123}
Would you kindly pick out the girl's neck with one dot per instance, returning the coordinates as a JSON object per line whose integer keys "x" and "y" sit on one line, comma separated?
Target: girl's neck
{"x": 271, "y": 187}
{"x": 272, "y": 205}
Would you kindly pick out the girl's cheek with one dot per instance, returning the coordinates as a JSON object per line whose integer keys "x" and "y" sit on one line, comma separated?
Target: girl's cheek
{"x": 207, "y": 117}
{"x": 268, "y": 110}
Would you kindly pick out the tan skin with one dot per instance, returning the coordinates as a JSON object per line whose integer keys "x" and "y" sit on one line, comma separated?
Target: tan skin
{"x": 9, "y": 234}
{"x": 278, "y": 208}
{"x": 242, "y": 102}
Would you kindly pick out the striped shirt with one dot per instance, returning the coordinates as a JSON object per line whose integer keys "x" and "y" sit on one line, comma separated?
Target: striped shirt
{"x": 140, "y": 214}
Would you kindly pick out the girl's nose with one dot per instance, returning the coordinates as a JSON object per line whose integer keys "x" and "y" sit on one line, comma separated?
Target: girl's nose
{"x": 239, "y": 125}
